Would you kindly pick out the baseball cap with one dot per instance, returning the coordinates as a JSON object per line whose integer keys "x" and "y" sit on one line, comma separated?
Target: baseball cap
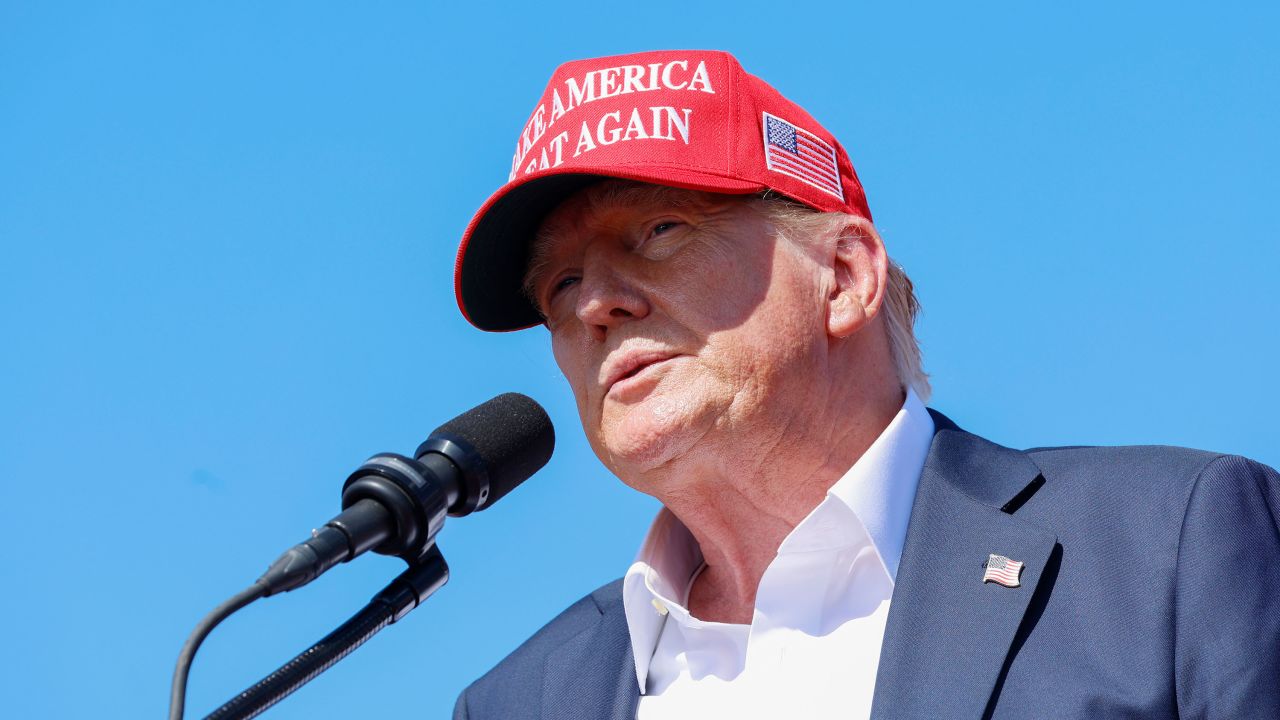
{"x": 690, "y": 119}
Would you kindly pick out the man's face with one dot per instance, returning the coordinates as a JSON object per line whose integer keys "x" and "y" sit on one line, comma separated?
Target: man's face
{"x": 678, "y": 318}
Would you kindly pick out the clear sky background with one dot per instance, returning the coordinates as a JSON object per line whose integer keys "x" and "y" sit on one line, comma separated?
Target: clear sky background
{"x": 228, "y": 233}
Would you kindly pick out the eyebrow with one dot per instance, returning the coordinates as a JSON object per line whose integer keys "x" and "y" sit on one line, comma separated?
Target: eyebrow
{"x": 603, "y": 197}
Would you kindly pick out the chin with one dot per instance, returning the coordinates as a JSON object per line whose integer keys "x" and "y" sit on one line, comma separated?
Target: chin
{"x": 651, "y": 433}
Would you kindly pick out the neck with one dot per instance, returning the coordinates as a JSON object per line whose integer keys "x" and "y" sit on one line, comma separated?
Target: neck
{"x": 741, "y": 502}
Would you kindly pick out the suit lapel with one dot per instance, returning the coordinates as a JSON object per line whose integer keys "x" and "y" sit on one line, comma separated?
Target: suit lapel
{"x": 592, "y": 676}
{"x": 948, "y": 633}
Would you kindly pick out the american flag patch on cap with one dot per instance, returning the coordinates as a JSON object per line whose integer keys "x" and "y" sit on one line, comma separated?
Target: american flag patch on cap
{"x": 801, "y": 154}
{"x": 1002, "y": 570}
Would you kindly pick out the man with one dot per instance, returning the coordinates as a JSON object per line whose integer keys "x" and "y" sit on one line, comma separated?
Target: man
{"x": 740, "y": 347}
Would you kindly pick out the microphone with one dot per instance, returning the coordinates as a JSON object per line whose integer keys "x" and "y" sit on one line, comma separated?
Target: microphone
{"x": 395, "y": 505}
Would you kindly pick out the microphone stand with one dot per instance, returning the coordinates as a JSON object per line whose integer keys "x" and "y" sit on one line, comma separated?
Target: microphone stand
{"x": 393, "y": 505}
{"x": 393, "y": 602}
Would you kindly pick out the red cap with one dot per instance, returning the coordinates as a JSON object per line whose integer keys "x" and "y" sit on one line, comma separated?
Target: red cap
{"x": 689, "y": 119}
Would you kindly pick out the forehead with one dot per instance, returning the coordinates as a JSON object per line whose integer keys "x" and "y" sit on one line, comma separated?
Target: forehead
{"x": 611, "y": 201}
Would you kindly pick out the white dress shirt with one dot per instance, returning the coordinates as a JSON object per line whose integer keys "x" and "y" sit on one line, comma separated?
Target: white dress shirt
{"x": 813, "y": 645}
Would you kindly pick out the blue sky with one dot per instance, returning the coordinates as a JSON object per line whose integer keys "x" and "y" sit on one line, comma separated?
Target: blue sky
{"x": 228, "y": 234}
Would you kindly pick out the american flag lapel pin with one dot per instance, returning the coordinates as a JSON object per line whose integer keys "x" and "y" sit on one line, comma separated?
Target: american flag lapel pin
{"x": 1002, "y": 571}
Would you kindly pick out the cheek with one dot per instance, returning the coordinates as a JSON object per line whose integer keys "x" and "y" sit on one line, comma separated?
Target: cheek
{"x": 779, "y": 328}
{"x": 578, "y": 371}
{"x": 713, "y": 286}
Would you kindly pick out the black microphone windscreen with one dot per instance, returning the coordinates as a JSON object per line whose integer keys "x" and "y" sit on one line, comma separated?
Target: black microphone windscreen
{"x": 511, "y": 434}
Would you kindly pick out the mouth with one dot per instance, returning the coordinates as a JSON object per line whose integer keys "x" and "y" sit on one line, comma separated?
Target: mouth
{"x": 632, "y": 366}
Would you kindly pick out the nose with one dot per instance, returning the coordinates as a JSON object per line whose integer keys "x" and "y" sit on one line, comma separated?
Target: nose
{"x": 607, "y": 297}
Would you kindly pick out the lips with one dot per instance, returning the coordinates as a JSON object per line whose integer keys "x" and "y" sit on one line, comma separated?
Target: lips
{"x": 628, "y": 364}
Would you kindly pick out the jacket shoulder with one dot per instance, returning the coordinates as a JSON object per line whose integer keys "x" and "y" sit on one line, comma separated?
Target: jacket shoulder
{"x": 1130, "y": 465}
{"x": 1134, "y": 485}
{"x": 517, "y": 680}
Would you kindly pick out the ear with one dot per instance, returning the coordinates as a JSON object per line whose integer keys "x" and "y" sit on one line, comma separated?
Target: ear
{"x": 861, "y": 269}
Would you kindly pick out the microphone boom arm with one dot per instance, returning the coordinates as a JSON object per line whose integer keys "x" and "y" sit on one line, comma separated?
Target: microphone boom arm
{"x": 393, "y": 505}
{"x": 409, "y": 590}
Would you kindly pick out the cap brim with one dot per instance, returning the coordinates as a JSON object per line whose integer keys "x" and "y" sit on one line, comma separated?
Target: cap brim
{"x": 491, "y": 263}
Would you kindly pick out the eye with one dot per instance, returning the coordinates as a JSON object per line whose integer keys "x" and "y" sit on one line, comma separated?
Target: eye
{"x": 563, "y": 283}
{"x": 661, "y": 238}
{"x": 663, "y": 227}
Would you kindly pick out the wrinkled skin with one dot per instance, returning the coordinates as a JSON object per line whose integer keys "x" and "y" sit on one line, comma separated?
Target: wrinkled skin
{"x": 715, "y": 365}
{"x": 693, "y": 282}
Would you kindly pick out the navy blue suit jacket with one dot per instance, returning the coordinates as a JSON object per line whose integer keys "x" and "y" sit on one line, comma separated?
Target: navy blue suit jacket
{"x": 1151, "y": 589}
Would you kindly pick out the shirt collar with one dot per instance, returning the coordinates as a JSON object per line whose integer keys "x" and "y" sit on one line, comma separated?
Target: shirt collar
{"x": 879, "y": 489}
{"x": 668, "y": 558}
